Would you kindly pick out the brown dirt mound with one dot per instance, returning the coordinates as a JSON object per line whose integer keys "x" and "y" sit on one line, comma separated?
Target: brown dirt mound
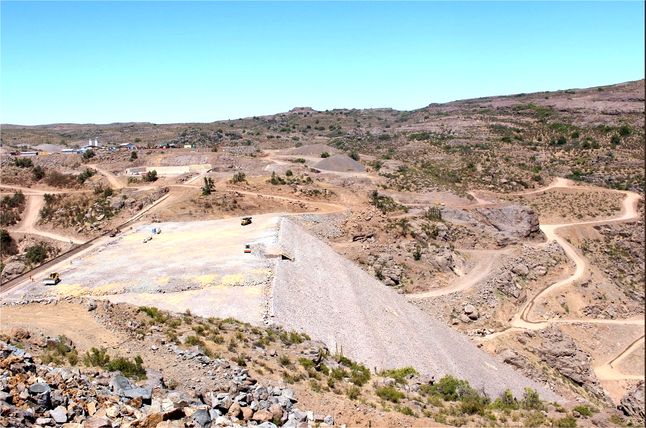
{"x": 341, "y": 163}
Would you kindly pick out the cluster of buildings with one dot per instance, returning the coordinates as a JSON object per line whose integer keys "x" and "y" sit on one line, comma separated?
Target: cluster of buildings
{"x": 91, "y": 145}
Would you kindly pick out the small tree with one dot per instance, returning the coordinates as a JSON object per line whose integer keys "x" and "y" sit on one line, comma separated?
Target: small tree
{"x": 133, "y": 156}
{"x": 88, "y": 154}
{"x": 354, "y": 155}
{"x": 325, "y": 155}
{"x": 208, "y": 187}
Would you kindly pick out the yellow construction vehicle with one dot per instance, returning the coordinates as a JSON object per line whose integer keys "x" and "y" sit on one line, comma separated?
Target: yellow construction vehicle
{"x": 53, "y": 279}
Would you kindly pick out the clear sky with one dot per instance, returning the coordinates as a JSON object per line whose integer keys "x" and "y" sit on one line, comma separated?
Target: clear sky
{"x": 180, "y": 62}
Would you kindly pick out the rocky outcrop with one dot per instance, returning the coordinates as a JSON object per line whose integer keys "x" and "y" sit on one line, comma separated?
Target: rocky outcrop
{"x": 561, "y": 352}
{"x": 632, "y": 404}
{"x": 508, "y": 224}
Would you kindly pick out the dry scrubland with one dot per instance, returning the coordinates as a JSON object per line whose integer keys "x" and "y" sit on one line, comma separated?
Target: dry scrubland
{"x": 386, "y": 239}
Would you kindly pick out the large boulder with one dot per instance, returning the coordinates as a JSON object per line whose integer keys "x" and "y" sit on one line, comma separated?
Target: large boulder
{"x": 13, "y": 269}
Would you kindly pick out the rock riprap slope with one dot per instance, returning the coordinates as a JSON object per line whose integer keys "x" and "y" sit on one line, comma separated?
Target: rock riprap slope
{"x": 333, "y": 300}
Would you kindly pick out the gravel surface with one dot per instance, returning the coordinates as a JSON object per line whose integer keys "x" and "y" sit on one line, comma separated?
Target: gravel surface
{"x": 341, "y": 163}
{"x": 333, "y": 300}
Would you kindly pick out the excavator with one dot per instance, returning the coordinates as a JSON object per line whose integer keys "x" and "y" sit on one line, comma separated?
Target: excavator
{"x": 53, "y": 279}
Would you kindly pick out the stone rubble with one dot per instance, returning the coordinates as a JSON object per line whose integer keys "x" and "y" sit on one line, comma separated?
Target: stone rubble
{"x": 33, "y": 394}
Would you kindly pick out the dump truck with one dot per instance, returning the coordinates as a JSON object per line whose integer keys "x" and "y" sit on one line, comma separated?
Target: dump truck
{"x": 245, "y": 221}
{"x": 53, "y": 279}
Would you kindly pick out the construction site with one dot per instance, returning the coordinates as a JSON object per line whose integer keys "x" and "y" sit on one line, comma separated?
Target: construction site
{"x": 506, "y": 288}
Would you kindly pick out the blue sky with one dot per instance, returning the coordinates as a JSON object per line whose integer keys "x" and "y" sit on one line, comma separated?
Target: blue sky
{"x": 180, "y": 62}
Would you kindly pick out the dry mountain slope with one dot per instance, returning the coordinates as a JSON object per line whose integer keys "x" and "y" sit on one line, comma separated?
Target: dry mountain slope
{"x": 334, "y": 301}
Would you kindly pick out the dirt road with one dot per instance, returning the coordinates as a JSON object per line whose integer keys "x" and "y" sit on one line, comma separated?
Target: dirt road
{"x": 30, "y": 217}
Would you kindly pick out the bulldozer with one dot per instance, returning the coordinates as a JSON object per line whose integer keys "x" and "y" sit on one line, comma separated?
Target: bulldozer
{"x": 245, "y": 221}
{"x": 53, "y": 279}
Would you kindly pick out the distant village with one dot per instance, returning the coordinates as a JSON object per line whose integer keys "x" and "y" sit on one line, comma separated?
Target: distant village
{"x": 94, "y": 145}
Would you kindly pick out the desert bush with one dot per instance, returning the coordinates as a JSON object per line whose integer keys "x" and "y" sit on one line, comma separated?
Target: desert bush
{"x": 506, "y": 401}
{"x": 565, "y": 422}
{"x": 85, "y": 175}
{"x": 23, "y": 162}
{"x": 385, "y": 203}
{"x": 583, "y": 410}
{"x": 400, "y": 375}
{"x": 133, "y": 156}
{"x": 276, "y": 180}
{"x": 96, "y": 357}
{"x": 88, "y": 154}
{"x": 239, "y": 177}
{"x": 325, "y": 155}
{"x": 150, "y": 176}
{"x": 38, "y": 173}
{"x": 531, "y": 400}
{"x": 389, "y": 393}
{"x": 127, "y": 368}
{"x": 352, "y": 392}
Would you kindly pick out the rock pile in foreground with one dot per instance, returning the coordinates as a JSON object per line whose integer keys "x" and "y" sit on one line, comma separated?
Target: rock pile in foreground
{"x": 33, "y": 394}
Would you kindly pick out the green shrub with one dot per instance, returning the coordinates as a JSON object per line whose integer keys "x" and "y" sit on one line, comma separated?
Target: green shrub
{"x": 38, "y": 173}
{"x": 354, "y": 155}
{"x": 37, "y": 253}
{"x": 96, "y": 357}
{"x": 23, "y": 162}
{"x": 284, "y": 361}
{"x": 133, "y": 156}
{"x": 150, "y": 176}
{"x": 506, "y": 401}
{"x": 352, "y": 392}
{"x": 531, "y": 400}
{"x": 88, "y": 154}
{"x": 473, "y": 403}
{"x": 583, "y": 410}
{"x": 82, "y": 177}
{"x": 450, "y": 388}
{"x": 405, "y": 410}
{"x": 239, "y": 177}
{"x": 400, "y": 375}
{"x": 566, "y": 422}
{"x": 624, "y": 130}
{"x": 193, "y": 341}
{"x": 615, "y": 140}
{"x": 154, "y": 313}
{"x": 289, "y": 173}
{"x": 325, "y": 155}
{"x": 126, "y": 367}
{"x": 389, "y": 393}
